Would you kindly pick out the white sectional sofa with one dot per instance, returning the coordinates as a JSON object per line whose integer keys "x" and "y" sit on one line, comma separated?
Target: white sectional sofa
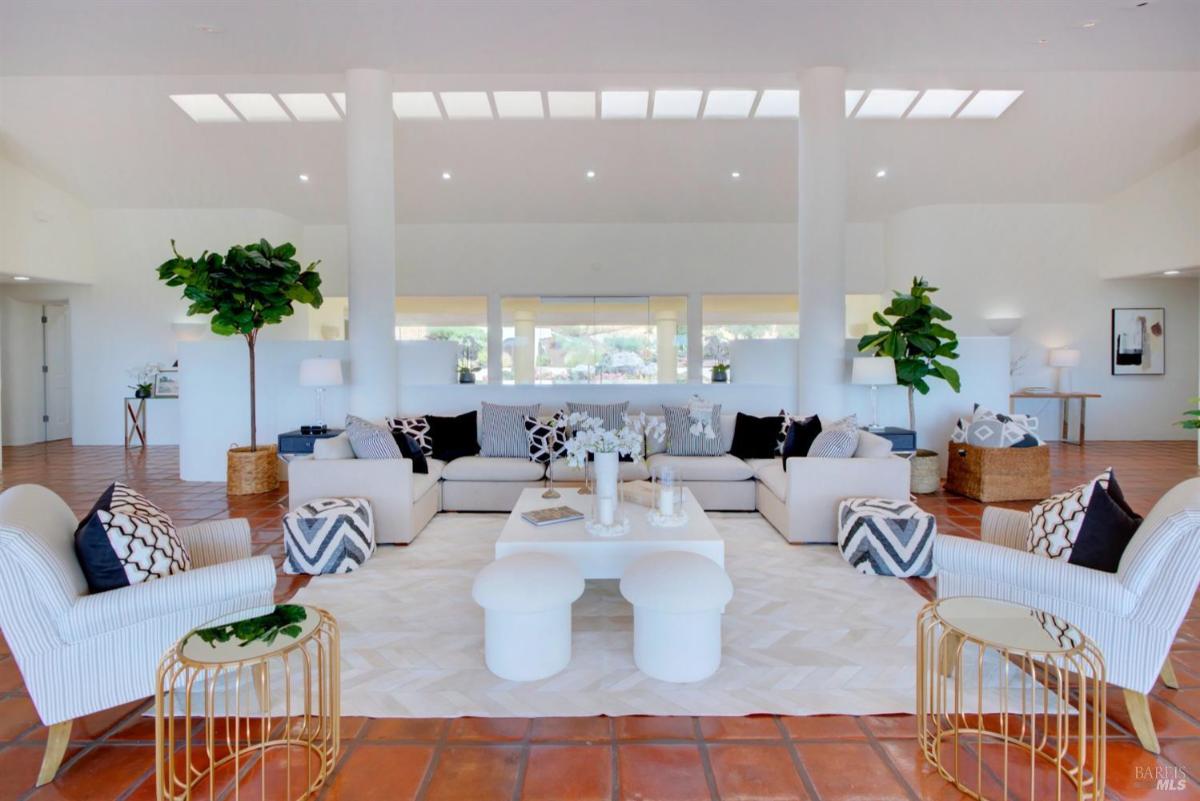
{"x": 801, "y": 502}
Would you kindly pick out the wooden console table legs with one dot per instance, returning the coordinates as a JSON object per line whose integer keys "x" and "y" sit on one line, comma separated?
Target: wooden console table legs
{"x": 135, "y": 423}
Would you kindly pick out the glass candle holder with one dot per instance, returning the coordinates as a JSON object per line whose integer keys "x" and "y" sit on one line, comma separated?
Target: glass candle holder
{"x": 668, "y": 498}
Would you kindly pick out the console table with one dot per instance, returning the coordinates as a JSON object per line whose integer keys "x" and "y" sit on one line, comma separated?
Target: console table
{"x": 1065, "y": 398}
{"x": 297, "y": 443}
{"x": 902, "y": 439}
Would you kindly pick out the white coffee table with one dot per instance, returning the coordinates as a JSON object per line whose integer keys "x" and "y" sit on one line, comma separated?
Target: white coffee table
{"x": 606, "y": 557}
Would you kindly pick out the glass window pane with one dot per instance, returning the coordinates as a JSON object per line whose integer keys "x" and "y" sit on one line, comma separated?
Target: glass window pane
{"x": 447, "y": 318}
{"x": 733, "y": 317}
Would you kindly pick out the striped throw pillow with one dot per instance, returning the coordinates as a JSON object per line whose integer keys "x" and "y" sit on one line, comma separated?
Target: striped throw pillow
{"x": 613, "y": 414}
{"x": 504, "y": 430}
{"x": 838, "y": 443}
{"x": 370, "y": 441}
{"x": 680, "y": 439}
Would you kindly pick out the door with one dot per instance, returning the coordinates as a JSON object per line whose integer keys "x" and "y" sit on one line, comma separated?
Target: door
{"x": 56, "y": 402}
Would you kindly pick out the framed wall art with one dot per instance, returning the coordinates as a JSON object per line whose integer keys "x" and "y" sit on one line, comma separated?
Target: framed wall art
{"x": 1139, "y": 341}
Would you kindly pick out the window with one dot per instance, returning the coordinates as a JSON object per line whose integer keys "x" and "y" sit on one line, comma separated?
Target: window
{"x": 728, "y": 318}
{"x": 455, "y": 319}
{"x": 594, "y": 340}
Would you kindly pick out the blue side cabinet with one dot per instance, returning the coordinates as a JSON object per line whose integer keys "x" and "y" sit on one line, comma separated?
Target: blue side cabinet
{"x": 295, "y": 443}
{"x": 902, "y": 439}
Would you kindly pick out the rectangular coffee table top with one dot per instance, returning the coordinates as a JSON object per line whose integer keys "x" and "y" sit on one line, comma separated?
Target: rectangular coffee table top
{"x": 606, "y": 557}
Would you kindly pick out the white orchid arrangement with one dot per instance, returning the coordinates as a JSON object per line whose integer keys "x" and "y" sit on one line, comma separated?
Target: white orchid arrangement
{"x": 588, "y": 435}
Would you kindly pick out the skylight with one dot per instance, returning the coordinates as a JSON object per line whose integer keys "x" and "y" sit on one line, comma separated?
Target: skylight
{"x": 572, "y": 105}
{"x": 259, "y": 107}
{"x": 206, "y": 108}
{"x": 622, "y": 105}
{"x": 677, "y": 104}
{"x": 466, "y": 105}
{"x": 938, "y": 104}
{"x": 415, "y": 106}
{"x": 729, "y": 104}
{"x": 310, "y": 107}
{"x": 886, "y": 104}
{"x": 852, "y": 98}
{"x": 519, "y": 105}
{"x": 988, "y": 104}
{"x": 778, "y": 103}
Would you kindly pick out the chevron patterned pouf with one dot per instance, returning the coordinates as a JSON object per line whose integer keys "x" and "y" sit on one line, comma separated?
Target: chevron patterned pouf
{"x": 328, "y": 535}
{"x": 886, "y": 538}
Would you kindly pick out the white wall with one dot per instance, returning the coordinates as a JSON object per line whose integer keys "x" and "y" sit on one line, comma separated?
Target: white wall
{"x": 45, "y": 232}
{"x": 1040, "y": 262}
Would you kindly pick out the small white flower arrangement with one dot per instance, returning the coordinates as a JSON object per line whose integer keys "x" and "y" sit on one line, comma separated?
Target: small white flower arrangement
{"x": 701, "y": 413}
{"x": 590, "y": 436}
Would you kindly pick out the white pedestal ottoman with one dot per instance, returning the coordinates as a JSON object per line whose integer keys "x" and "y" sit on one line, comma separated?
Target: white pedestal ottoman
{"x": 526, "y": 600}
{"x": 678, "y": 598}
{"x": 881, "y": 537}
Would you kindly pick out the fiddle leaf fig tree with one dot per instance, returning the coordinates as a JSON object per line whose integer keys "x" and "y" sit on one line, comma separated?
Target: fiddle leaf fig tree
{"x": 917, "y": 340}
{"x": 250, "y": 287}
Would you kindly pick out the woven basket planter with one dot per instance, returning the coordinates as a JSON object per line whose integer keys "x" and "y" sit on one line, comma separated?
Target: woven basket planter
{"x": 251, "y": 472}
{"x": 999, "y": 474}
{"x": 926, "y": 472}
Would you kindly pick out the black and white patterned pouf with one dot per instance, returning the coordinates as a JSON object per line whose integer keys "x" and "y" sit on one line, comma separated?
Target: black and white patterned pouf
{"x": 880, "y": 537}
{"x": 328, "y": 535}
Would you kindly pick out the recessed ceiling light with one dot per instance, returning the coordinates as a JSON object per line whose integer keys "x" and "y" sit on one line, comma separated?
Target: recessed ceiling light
{"x": 415, "y": 106}
{"x": 446, "y": 176}
{"x": 735, "y": 175}
{"x": 886, "y": 104}
{"x": 208, "y": 29}
{"x": 988, "y": 104}
{"x": 729, "y": 104}
{"x": 677, "y": 104}
{"x": 881, "y": 173}
{"x": 466, "y": 105}
{"x": 519, "y": 105}
{"x": 20, "y": 277}
{"x": 572, "y": 105}
{"x": 1041, "y": 42}
{"x": 258, "y": 107}
{"x": 206, "y": 108}
{"x": 624, "y": 105}
{"x": 852, "y": 98}
{"x": 590, "y": 175}
{"x": 303, "y": 177}
{"x": 938, "y": 104}
{"x": 310, "y": 107}
{"x": 1170, "y": 272}
{"x": 778, "y": 103}
{"x": 1091, "y": 23}
{"x": 340, "y": 99}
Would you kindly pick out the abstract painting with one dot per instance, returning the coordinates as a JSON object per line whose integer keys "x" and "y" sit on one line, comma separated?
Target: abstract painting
{"x": 1139, "y": 345}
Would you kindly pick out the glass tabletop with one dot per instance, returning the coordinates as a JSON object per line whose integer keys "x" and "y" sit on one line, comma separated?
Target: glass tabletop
{"x": 1009, "y": 625}
{"x": 250, "y": 639}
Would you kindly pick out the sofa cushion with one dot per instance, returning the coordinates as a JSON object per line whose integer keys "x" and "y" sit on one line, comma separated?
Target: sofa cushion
{"x": 333, "y": 447}
{"x": 800, "y": 436}
{"x": 503, "y": 429}
{"x": 628, "y": 471}
{"x": 453, "y": 437}
{"x": 492, "y": 468}
{"x": 755, "y": 437}
{"x": 703, "y": 468}
{"x": 415, "y": 427}
{"x": 839, "y": 443}
{"x": 872, "y": 446}
{"x": 759, "y": 465}
{"x": 775, "y": 479}
{"x": 613, "y": 414}
{"x": 370, "y": 441}
{"x": 411, "y": 451}
{"x": 421, "y": 484}
{"x": 689, "y": 435}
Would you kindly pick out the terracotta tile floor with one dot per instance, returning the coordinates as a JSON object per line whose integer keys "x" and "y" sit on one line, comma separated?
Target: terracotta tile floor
{"x": 651, "y": 759}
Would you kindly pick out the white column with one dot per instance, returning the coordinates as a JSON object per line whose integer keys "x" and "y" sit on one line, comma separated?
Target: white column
{"x": 821, "y": 229}
{"x": 523, "y": 346}
{"x": 666, "y": 325}
{"x": 371, "y": 233}
{"x": 695, "y": 338}
{"x": 495, "y": 348}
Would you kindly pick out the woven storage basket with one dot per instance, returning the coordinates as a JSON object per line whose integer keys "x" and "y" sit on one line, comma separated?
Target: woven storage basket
{"x": 999, "y": 474}
{"x": 252, "y": 472}
{"x": 926, "y": 472}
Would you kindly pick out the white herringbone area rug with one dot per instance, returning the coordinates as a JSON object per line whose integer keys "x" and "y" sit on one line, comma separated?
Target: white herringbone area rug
{"x": 804, "y": 635}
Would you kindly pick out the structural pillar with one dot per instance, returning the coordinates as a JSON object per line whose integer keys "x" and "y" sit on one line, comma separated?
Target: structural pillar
{"x": 495, "y": 347}
{"x": 523, "y": 346}
{"x": 695, "y": 338}
{"x": 666, "y": 325}
{"x": 371, "y": 236}
{"x": 821, "y": 368}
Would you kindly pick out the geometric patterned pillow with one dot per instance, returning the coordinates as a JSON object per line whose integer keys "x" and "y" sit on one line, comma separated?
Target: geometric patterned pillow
{"x": 881, "y": 537}
{"x": 415, "y": 427}
{"x": 1054, "y": 523}
{"x": 125, "y": 539}
{"x": 547, "y": 440}
{"x": 1000, "y": 434}
{"x": 328, "y": 535}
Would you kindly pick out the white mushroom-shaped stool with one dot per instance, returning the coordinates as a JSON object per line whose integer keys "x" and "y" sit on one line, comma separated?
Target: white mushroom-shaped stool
{"x": 678, "y": 598}
{"x": 526, "y": 600}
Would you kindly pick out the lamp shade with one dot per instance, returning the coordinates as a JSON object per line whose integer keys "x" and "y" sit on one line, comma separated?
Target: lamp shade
{"x": 875, "y": 371}
{"x": 321, "y": 372}
{"x": 1063, "y": 357}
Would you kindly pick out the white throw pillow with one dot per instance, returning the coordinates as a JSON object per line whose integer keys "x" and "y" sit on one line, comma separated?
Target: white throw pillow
{"x": 333, "y": 448}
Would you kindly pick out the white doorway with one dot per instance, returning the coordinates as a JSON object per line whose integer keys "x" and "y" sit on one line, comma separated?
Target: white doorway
{"x": 56, "y": 371}
{"x": 36, "y": 370}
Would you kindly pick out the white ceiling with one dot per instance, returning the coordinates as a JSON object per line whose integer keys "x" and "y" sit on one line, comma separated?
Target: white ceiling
{"x": 85, "y": 102}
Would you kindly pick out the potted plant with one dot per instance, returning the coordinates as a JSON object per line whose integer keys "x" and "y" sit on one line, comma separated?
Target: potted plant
{"x": 249, "y": 287}
{"x": 466, "y": 372}
{"x": 720, "y": 373}
{"x": 143, "y": 381}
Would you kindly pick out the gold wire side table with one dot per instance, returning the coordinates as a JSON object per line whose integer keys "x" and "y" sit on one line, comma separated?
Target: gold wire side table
{"x": 265, "y": 688}
{"x": 1010, "y": 701}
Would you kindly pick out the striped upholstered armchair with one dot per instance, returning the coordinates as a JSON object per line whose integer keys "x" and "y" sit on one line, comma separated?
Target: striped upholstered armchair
{"x": 81, "y": 653}
{"x": 1132, "y": 615}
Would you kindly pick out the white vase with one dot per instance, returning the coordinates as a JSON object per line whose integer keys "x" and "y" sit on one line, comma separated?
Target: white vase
{"x": 605, "y": 470}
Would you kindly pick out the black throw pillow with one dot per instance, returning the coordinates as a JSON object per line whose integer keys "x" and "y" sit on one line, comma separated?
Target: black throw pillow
{"x": 800, "y": 437}
{"x": 411, "y": 451}
{"x": 1108, "y": 526}
{"x": 453, "y": 436}
{"x": 755, "y": 437}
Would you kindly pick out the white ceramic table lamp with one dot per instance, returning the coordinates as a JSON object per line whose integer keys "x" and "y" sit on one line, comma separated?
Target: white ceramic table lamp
{"x": 875, "y": 372}
{"x": 1064, "y": 359}
{"x": 321, "y": 373}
